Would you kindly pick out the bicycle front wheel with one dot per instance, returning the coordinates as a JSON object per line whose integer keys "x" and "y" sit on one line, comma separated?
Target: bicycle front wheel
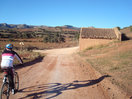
{"x": 5, "y": 91}
{"x": 16, "y": 81}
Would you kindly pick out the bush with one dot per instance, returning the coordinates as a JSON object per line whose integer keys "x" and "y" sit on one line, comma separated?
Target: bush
{"x": 53, "y": 38}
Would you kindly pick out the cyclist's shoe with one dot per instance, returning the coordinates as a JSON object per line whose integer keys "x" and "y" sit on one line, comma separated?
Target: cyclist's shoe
{"x": 13, "y": 91}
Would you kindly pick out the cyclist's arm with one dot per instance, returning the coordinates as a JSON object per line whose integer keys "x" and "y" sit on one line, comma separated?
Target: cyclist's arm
{"x": 19, "y": 58}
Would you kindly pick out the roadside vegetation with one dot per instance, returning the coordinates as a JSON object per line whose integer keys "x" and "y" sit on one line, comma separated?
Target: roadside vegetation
{"x": 114, "y": 59}
{"x": 27, "y": 56}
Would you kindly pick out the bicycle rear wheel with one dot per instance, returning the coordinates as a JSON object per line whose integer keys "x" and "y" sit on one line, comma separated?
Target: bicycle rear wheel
{"x": 16, "y": 81}
{"x": 5, "y": 91}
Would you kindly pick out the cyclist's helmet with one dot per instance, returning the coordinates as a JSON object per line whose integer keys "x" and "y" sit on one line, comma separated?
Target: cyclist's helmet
{"x": 9, "y": 46}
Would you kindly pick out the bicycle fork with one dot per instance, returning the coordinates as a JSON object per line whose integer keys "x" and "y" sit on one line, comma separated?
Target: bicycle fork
{"x": 5, "y": 79}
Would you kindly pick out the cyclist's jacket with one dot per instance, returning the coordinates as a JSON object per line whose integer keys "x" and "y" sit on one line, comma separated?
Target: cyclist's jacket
{"x": 8, "y": 57}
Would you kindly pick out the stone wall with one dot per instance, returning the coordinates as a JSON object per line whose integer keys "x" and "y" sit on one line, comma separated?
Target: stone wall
{"x": 85, "y": 43}
{"x": 118, "y": 34}
{"x": 88, "y": 42}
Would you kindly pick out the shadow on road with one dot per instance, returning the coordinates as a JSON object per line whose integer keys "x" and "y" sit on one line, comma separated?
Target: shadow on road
{"x": 37, "y": 60}
{"x": 52, "y": 90}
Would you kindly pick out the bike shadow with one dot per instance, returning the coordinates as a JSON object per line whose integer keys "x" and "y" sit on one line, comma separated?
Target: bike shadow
{"x": 52, "y": 90}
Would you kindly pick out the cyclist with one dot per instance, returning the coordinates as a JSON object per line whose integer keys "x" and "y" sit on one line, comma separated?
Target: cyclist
{"x": 8, "y": 56}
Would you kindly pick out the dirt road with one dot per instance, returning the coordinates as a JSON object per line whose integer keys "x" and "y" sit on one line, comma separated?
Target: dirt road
{"x": 60, "y": 76}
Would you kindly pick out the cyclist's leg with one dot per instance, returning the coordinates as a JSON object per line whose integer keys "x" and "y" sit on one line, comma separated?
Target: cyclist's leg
{"x": 11, "y": 76}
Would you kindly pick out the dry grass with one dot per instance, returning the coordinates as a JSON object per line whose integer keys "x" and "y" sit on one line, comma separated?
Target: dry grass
{"x": 113, "y": 59}
{"x": 26, "y": 56}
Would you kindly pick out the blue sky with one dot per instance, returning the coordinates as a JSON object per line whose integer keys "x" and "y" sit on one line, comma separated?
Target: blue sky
{"x": 79, "y": 13}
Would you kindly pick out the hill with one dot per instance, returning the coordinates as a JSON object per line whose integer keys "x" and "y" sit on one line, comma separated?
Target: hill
{"x": 7, "y": 26}
{"x": 23, "y": 26}
{"x": 49, "y": 34}
{"x": 127, "y": 32}
{"x": 113, "y": 59}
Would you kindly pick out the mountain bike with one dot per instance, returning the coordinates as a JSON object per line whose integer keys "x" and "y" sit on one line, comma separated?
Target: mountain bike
{"x": 5, "y": 88}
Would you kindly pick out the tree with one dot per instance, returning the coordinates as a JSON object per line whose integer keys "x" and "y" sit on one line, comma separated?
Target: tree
{"x": 77, "y": 36}
{"x": 118, "y": 28}
{"x": 45, "y": 39}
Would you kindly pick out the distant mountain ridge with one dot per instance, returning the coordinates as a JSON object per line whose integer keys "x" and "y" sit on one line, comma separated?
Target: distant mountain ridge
{"x": 23, "y": 26}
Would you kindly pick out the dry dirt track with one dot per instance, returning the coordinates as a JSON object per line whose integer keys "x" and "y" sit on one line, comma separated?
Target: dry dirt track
{"x": 59, "y": 76}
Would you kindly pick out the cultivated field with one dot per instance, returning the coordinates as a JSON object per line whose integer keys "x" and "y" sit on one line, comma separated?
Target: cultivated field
{"x": 30, "y": 44}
